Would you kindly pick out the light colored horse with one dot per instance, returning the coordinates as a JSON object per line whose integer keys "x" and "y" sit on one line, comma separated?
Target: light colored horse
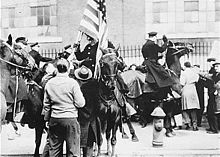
{"x": 8, "y": 58}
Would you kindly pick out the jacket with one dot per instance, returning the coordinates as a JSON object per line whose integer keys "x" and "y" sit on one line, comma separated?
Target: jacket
{"x": 88, "y": 55}
{"x": 150, "y": 50}
{"x": 37, "y": 57}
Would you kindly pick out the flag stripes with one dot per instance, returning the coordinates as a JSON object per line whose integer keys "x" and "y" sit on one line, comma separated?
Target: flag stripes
{"x": 90, "y": 21}
{"x": 94, "y": 24}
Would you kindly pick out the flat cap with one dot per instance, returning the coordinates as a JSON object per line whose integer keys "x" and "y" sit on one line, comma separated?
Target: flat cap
{"x": 34, "y": 44}
{"x": 217, "y": 62}
{"x": 22, "y": 40}
{"x": 66, "y": 47}
{"x": 151, "y": 34}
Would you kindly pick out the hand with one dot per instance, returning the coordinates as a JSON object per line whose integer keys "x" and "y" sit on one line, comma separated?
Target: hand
{"x": 75, "y": 45}
{"x": 164, "y": 38}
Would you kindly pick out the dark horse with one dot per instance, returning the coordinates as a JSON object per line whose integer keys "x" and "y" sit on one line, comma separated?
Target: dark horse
{"x": 34, "y": 105}
{"x": 109, "y": 109}
{"x": 147, "y": 97}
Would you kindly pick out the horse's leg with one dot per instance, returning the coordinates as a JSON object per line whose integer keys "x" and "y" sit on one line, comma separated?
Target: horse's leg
{"x": 113, "y": 139}
{"x": 134, "y": 137}
{"x": 38, "y": 135}
{"x": 108, "y": 134}
{"x": 121, "y": 128}
{"x": 3, "y": 109}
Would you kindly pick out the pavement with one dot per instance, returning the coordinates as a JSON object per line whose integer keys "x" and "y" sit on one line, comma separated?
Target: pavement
{"x": 186, "y": 143}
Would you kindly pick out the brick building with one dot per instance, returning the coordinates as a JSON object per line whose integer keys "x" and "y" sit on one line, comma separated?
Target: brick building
{"x": 55, "y": 22}
{"x": 184, "y": 19}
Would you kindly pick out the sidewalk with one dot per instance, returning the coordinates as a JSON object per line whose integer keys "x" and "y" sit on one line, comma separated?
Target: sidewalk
{"x": 186, "y": 143}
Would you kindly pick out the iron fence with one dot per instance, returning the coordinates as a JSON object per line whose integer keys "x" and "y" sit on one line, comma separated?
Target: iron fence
{"x": 132, "y": 54}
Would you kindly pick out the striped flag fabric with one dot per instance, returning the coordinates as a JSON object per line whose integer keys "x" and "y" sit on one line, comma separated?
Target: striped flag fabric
{"x": 94, "y": 24}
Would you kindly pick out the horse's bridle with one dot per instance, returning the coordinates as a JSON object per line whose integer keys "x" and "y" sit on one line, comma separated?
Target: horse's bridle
{"x": 13, "y": 54}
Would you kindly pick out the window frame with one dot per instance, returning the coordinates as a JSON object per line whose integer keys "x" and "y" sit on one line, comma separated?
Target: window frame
{"x": 188, "y": 12}
{"x": 158, "y": 9}
{"x": 11, "y": 17}
{"x": 217, "y": 10}
{"x": 39, "y": 12}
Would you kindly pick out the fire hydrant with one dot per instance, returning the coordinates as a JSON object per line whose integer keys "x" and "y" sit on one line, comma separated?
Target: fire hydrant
{"x": 158, "y": 116}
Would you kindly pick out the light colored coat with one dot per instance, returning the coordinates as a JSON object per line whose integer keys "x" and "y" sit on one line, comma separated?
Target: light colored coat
{"x": 190, "y": 99}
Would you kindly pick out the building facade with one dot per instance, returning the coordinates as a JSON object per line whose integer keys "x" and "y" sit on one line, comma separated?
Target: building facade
{"x": 184, "y": 19}
{"x": 55, "y": 23}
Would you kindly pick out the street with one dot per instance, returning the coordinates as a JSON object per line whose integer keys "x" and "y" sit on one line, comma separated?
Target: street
{"x": 185, "y": 143}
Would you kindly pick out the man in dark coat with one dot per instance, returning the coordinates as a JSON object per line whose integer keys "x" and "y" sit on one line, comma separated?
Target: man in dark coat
{"x": 156, "y": 74}
{"x": 88, "y": 58}
{"x": 211, "y": 108}
{"x": 36, "y": 55}
{"x": 88, "y": 55}
{"x": 87, "y": 116}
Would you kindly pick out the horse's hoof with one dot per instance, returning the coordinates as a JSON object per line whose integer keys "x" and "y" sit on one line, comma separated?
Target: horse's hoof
{"x": 168, "y": 134}
{"x": 36, "y": 155}
{"x": 134, "y": 138}
{"x": 10, "y": 137}
{"x": 125, "y": 136}
{"x": 173, "y": 133}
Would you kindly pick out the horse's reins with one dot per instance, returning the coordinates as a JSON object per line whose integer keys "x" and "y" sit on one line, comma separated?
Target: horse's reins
{"x": 16, "y": 75}
{"x": 15, "y": 65}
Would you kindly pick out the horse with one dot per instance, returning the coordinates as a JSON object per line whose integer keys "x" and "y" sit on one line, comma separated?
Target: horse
{"x": 8, "y": 60}
{"x": 34, "y": 104}
{"x": 109, "y": 109}
{"x": 148, "y": 97}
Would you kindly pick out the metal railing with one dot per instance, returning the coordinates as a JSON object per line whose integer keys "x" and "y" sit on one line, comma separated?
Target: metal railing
{"x": 132, "y": 54}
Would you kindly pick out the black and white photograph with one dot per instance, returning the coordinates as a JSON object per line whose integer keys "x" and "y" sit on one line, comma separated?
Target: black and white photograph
{"x": 110, "y": 78}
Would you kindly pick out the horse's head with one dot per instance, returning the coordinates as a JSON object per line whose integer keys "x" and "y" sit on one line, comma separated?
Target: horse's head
{"x": 174, "y": 52}
{"x": 8, "y": 52}
{"x": 109, "y": 67}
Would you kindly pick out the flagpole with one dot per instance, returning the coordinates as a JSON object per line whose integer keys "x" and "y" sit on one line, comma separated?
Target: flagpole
{"x": 78, "y": 39}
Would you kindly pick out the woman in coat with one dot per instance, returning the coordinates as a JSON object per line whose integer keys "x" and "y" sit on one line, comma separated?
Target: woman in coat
{"x": 190, "y": 100}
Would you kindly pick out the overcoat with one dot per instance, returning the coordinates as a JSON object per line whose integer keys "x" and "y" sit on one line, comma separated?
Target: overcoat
{"x": 88, "y": 115}
{"x": 155, "y": 73}
{"x": 190, "y": 99}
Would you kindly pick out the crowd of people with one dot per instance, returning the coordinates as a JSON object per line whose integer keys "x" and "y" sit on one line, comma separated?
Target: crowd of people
{"x": 70, "y": 95}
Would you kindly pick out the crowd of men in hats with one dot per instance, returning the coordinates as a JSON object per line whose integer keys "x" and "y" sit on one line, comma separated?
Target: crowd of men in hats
{"x": 66, "y": 99}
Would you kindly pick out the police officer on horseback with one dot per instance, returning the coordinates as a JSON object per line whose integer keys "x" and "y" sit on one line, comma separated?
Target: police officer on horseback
{"x": 155, "y": 73}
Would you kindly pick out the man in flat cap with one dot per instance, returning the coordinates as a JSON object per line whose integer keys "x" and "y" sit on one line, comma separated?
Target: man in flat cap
{"x": 36, "y": 55}
{"x": 156, "y": 75}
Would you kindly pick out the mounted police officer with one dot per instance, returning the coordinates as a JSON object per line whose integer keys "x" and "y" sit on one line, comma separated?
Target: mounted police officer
{"x": 88, "y": 55}
{"x": 156, "y": 74}
{"x": 36, "y": 55}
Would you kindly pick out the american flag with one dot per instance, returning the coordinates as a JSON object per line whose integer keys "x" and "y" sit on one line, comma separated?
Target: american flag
{"x": 94, "y": 24}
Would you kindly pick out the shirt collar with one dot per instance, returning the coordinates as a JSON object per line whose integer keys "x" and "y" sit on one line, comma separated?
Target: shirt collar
{"x": 62, "y": 74}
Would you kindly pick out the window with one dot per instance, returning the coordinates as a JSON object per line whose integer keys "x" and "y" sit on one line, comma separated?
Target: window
{"x": 191, "y": 11}
{"x": 217, "y": 10}
{"x": 42, "y": 13}
{"x": 11, "y": 15}
{"x": 160, "y": 12}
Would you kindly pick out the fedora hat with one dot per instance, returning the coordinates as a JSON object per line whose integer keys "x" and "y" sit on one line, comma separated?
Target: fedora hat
{"x": 83, "y": 73}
